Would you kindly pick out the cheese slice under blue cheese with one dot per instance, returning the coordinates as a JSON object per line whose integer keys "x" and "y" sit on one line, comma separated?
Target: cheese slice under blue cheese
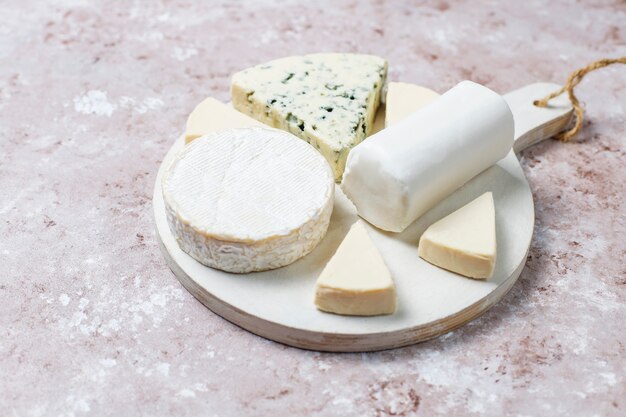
{"x": 329, "y": 100}
{"x": 212, "y": 116}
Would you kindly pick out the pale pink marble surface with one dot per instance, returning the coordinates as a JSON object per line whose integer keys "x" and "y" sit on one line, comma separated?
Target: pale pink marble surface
{"x": 93, "y": 322}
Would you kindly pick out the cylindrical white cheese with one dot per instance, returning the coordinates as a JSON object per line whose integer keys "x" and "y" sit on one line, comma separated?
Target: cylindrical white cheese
{"x": 401, "y": 172}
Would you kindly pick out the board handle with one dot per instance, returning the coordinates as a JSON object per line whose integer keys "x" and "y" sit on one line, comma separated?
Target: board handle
{"x": 532, "y": 123}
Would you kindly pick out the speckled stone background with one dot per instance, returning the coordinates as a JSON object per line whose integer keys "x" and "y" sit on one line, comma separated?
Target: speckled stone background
{"x": 92, "y": 95}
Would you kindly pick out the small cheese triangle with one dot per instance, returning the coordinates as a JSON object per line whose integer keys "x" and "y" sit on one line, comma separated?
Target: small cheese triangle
{"x": 464, "y": 241}
{"x": 356, "y": 280}
{"x": 327, "y": 99}
{"x": 211, "y": 116}
{"x": 402, "y": 99}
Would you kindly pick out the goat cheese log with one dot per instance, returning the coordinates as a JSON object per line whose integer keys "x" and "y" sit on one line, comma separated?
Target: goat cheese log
{"x": 401, "y": 172}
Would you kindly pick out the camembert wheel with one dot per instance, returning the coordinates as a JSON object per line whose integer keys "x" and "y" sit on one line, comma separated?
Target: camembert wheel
{"x": 249, "y": 199}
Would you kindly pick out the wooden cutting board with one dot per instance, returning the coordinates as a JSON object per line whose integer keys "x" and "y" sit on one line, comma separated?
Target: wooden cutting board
{"x": 278, "y": 304}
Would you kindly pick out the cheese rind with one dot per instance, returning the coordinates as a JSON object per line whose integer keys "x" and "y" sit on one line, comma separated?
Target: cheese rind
{"x": 403, "y": 99}
{"x": 328, "y": 99}
{"x": 356, "y": 280}
{"x": 464, "y": 241}
{"x": 400, "y": 173}
{"x": 211, "y": 115}
{"x": 249, "y": 199}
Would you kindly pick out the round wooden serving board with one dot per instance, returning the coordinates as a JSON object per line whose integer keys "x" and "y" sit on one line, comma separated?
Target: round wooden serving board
{"x": 278, "y": 304}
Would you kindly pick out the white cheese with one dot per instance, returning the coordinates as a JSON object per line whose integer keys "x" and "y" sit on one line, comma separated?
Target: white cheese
{"x": 211, "y": 116}
{"x": 464, "y": 241}
{"x": 248, "y": 199}
{"x": 402, "y": 99}
{"x": 356, "y": 280}
{"x": 401, "y": 172}
{"x": 329, "y": 100}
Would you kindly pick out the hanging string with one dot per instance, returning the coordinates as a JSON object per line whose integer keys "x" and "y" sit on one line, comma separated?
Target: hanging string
{"x": 573, "y": 80}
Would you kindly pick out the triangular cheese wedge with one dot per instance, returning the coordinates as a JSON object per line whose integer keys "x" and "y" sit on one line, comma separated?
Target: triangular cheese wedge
{"x": 329, "y": 99}
{"x": 356, "y": 280}
{"x": 211, "y": 116}
{"x": 402, "y": 99}
{"x": 464, "y": 241}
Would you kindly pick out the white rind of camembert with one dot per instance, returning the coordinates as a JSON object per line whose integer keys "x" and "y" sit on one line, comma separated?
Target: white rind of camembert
{"x": 249, "y": 199}
{"x": 329, "y": 99}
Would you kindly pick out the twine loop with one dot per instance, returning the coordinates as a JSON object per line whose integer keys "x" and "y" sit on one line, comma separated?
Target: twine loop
{"x": 572, "y": 81}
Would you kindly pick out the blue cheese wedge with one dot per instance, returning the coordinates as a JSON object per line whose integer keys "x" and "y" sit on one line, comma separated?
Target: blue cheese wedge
{"x": 329, "y": 100}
